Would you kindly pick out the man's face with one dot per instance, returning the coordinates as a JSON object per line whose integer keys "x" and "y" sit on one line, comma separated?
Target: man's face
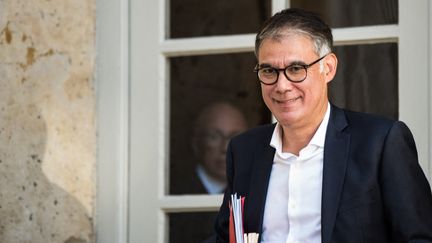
{"x": 294, "y": 104}
{"x": 223, "y": 123}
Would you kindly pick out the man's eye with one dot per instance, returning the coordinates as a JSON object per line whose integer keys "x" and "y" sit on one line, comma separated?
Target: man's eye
{"x": 212, "y": 135}
{"x": 295, "y": 69}
{"x": 267, "y": 71}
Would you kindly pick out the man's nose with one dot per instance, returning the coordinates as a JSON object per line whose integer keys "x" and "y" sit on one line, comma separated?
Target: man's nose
{"x": 283, "y": 84}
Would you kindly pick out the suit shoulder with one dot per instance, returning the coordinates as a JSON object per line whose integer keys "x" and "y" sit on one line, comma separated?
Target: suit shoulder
{"x": 255, "y": 135}
{"x": 369, "y": 121}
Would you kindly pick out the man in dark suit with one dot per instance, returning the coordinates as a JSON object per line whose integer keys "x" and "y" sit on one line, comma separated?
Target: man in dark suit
{"x": 321, "y": 174}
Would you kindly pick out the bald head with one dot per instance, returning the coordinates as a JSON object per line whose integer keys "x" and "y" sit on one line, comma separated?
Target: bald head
{"x": 215, "y": 125}
{"x": 224, "y": 114}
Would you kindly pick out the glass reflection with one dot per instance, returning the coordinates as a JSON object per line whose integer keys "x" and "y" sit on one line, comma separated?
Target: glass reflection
{"x": 212, "y": 98}
{"x": 342, "y": 13}
{"x": 367, "y": 79}
{"x": 193, "y": 18}
{"x": 217, "y": 123}
{"x": 192, "y": 227}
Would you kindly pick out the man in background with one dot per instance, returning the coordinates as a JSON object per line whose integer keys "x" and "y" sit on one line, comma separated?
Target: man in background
{"x": 215, "y": 126}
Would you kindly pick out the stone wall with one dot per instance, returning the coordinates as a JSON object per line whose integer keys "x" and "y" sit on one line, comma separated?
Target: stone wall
{"x": 47, "y": 121}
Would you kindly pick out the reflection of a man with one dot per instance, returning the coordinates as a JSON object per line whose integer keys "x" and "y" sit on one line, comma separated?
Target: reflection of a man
{"x": 215, "y": 125}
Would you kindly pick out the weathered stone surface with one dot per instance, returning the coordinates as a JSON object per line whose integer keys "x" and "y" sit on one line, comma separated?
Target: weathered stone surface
{"x": 47, "y": 121}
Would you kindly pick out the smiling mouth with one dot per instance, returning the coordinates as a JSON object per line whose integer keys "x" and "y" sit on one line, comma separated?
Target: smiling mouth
{"x": 287, "y": 101}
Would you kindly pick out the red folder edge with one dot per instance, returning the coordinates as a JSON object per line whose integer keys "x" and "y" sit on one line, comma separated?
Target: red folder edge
{"x": 232, "y": 238}
{"x": 242, "y": 208}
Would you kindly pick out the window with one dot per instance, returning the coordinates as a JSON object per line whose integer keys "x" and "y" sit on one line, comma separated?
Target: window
{"x": 145, "y": 102}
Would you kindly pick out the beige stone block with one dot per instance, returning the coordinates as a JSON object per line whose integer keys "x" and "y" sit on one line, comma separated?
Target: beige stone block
{"x": 47, "y": 121}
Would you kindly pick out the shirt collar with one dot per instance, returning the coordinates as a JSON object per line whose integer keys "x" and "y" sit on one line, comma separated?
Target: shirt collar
{"x": 318, "y": 138}
{"x": 211, "y": 185}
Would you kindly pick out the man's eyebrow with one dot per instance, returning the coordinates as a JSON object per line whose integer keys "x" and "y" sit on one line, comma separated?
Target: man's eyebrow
{"x": 266, "y": 65}
{"x": 301, "y": 63}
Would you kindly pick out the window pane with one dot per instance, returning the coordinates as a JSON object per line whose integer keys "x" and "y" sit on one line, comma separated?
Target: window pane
{"x": 342, "y": 13}
{"x": 191, "y": 227}
{"x": 367, "y": 79}
{"x": 192, "y": 18}
{"x": 212, "y": 98}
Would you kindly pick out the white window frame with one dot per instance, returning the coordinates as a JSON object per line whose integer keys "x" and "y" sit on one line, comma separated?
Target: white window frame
{"x": 112, "y": 89}
{"x": 133, "y": 113}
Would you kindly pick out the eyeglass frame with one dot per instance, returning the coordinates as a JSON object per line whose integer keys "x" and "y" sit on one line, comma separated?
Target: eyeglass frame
{"x": 216, "y": 137}
{"x": 304, "y": 66}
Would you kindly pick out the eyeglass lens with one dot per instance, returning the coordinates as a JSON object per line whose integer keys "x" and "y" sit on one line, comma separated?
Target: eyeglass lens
{"x": 294, "y": 73}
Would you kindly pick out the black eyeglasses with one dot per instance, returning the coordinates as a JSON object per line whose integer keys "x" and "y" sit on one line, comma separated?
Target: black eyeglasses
{"x": 295, "y": 73}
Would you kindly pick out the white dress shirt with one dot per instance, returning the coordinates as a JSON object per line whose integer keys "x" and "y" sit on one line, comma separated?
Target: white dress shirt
{"x": 293, "y": 205}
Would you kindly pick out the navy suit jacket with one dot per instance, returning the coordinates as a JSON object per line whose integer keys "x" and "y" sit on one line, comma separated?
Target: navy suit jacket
{"x": 373, "y": 187}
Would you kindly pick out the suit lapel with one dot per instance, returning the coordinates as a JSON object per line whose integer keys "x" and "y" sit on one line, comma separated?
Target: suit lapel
{"x": 335, "y": 159}
{"x": 262, "y": 165}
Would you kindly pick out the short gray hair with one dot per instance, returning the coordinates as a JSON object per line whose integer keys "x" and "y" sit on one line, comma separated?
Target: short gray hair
{"x": 297, "y": 21}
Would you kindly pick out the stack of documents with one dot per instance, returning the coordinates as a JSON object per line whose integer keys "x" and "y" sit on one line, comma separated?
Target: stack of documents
{"x": 236, "y": 231}
{"x": 250, "y": 237}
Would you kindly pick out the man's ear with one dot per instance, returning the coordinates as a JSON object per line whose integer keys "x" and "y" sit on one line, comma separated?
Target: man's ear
{"x": 330, "y": 66}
